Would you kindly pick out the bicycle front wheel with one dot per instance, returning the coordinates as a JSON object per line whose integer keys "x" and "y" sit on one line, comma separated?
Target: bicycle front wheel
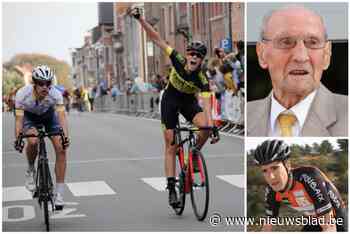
{"x": 180, "y": 188}
{"x": 44, "y": 193}
{"x": 200, "y": 186}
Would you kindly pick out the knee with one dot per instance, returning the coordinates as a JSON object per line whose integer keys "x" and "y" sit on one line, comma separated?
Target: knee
{"x": 32, "y": 142}
{"x": 60, "y": 153}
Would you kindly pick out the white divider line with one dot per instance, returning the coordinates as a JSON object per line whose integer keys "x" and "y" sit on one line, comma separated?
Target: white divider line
{"x": 19, "y": 193}
{"x": 158, "y": 183}
{"x": 236, "y": 180}
{"x": 90, "y": 188}
{"x": 157, "y": 120}
{"x": 103, "y": 160}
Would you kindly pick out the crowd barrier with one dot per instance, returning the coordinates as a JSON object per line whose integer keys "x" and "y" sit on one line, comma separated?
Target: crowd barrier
{"x": 147, "y": 105}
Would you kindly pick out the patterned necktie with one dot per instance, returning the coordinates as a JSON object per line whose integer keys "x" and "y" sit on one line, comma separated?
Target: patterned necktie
{"x": 286, "y": 122}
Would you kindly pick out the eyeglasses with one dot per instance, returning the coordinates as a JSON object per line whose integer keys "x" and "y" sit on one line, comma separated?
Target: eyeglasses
{"x": 287, "y": 42}
{"x": 193, "y": 53}
{"x": 43, "y": 83}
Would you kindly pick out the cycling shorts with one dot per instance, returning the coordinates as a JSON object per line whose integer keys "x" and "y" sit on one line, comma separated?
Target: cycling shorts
{"x": 172, "y": 105}
{"x": 49, "y": 119}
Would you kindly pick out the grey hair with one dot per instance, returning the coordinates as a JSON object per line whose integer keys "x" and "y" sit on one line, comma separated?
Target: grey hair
{"x": 269, "y": 14}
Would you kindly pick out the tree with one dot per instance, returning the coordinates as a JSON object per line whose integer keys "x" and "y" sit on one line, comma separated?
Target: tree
{"x": 315, "y": 147}
{"x": 61, "y": 68}
{"x": 11, "y": 80}
{"x": 326, "y": 147}
{"x": 343, "y": 144}
{"x": 307, "y": 149}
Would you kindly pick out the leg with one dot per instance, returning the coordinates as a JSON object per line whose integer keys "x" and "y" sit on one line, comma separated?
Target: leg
{"x": 170, "y": 150}
{"x": 200, "y": 120}
{"x": 31, "y": 152}
{"x": 60, "y": 167}
{"x": 32, "y": 147}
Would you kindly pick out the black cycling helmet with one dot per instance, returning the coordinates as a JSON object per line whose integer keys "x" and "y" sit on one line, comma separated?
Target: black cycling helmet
{"x": 270, "y": 151}
{"x": 197, "y": 46}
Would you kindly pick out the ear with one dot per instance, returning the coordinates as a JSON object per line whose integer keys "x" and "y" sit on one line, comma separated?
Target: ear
{"x": 327, "y": 55}
{"x": 260, "y": 51}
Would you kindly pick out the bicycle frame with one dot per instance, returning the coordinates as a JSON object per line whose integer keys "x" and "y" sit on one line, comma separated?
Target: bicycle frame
{"x": 188, "y": 161}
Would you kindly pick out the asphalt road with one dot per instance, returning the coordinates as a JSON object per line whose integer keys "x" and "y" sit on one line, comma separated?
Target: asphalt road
{"x": 114, "y": 179}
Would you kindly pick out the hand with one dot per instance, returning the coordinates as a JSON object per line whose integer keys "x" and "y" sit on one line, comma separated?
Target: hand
{"x": 66, "y": 142}
{"x": 134, "y": 12}
{"x": 19, "y": 144}
{"x": 214, "y": 135}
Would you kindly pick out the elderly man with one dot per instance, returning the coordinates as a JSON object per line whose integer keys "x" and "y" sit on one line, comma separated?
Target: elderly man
{"x": 295, "y": 50}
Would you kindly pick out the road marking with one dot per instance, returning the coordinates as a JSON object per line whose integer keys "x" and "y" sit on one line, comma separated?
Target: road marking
{"x": 236, "y": 180}
{"x": 18, "y": 193}
{"x": 158, "y": 183}
{"x": 157, "y": 120}
{"x": 104, "y": 160}
{"x": 90, "y": 188}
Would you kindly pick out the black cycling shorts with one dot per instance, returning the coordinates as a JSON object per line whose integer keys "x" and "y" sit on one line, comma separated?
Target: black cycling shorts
{"x": 173, "y": 104}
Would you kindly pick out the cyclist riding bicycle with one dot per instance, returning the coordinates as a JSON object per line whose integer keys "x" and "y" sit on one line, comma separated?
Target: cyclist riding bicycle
{"x": 185, "y": 81}
{"x": 305, "y": 189}
{"x": 41, "y": 104}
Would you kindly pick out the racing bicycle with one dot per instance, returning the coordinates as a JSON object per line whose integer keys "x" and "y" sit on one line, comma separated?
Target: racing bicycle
{"x": 43, "y": 180}
{"x": 191, "y": 171}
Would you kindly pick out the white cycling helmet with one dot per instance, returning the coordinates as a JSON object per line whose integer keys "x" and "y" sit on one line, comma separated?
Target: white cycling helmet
{"x": 42, "y": 73}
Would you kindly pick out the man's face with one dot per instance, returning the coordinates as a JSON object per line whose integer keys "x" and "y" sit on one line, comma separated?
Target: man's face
{"x": 275, "y": 175}
{"x": 297, "y": 70}
{"x": 194, "y": 60}
{"x": 42, "y": 88}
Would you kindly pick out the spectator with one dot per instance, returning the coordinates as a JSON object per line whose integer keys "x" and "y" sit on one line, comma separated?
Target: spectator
{"x": 91, "y": 96}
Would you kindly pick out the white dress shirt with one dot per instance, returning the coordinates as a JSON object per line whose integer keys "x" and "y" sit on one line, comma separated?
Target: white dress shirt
{"x": 300, "y": 110}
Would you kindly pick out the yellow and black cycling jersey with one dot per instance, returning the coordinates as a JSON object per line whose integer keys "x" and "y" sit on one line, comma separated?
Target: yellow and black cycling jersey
{"x": 183, "y": 81}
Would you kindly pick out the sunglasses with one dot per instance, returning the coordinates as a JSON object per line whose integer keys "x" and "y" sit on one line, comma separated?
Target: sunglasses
{"x": 193, "y": 53}
{"x": 43, "y": 83}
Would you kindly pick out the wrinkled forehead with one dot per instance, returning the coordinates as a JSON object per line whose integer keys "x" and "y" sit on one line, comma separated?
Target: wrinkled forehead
{"x": 295, "y": 20}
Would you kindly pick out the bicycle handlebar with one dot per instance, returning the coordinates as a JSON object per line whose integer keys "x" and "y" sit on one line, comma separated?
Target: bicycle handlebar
{"x": 214, "y": 129}
{"x": 20, "y": 144}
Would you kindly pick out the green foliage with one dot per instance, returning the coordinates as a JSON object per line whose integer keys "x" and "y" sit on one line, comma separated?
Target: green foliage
{"x": 11, "y": 80}
{"x": 326, "y": 147}
{"x": 61, "y": 68}
{"x": 343, "y": 144}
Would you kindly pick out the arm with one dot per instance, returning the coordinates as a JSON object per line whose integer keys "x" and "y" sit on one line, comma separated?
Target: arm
{"x": 19, "y": 124}
{"x": 207, "y": 109}
{"x": 328, "y": 226}
{"x": 62, "y": 119}
{"x": 266, "y": 228}
{"x": 151, "y": 33}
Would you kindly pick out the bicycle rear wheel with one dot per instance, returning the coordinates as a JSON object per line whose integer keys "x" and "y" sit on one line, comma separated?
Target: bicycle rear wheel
{"x": 44, "y": 193}
{"x": 180, "y": 188}
{"x": 200, "y": 186}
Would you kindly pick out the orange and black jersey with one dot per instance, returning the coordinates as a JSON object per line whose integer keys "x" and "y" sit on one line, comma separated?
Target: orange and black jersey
{"x": 182, "y": 81}
{"x": 311, "y": 193}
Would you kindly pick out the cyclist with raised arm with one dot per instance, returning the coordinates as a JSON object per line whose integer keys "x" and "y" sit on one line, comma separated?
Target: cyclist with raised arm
{"x": 41, "y": 104}
{"x": 305, "y": 189}
{"x": 185, "y": 81}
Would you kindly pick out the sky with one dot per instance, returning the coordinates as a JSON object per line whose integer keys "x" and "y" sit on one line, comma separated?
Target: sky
{"x": 253, "y": 142}
{"x": 44, "y": 27}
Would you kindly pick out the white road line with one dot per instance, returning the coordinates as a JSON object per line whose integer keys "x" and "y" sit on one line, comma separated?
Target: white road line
{"x": 19, "y": 193}
{"x": 157, "y": 120}
{"x": 104, "y": 160}
{"x": 158, "y": 183}
{"x": 90, "y": 188}
{"x": 236, "y": 180}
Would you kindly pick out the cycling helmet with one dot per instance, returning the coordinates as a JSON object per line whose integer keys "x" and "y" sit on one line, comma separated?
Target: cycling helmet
{"x": 197, "y": 46}
{"x": 271, "y": 151}
{"x": 42, "y": 73}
